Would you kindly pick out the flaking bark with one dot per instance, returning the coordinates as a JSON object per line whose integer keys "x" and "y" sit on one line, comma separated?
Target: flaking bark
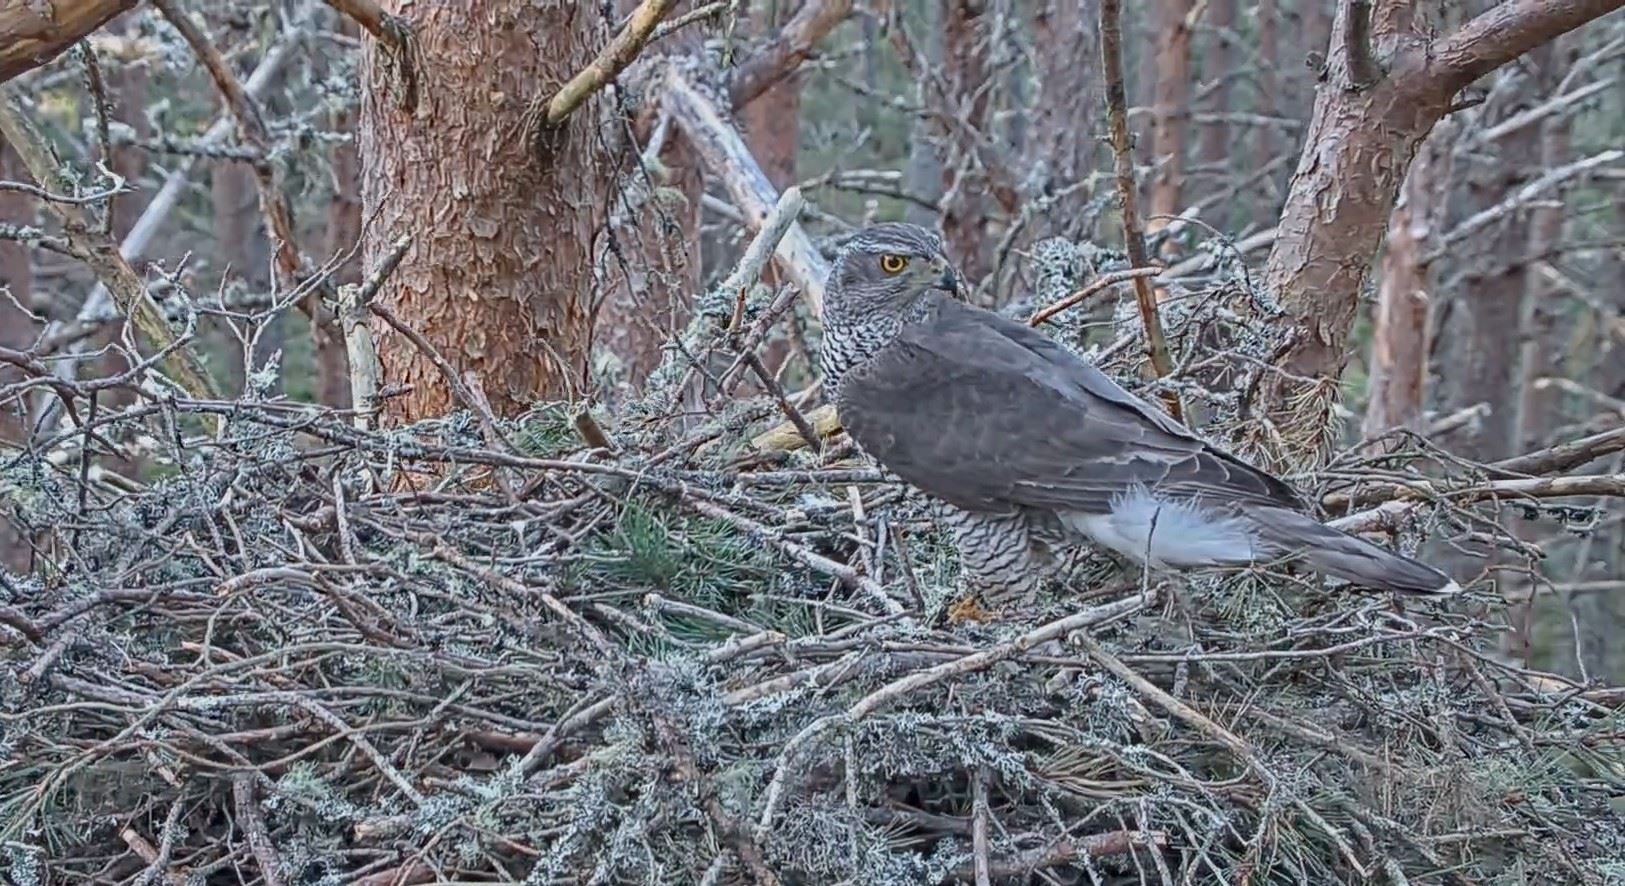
{"x": 499, "y": 272}
{"x": 1357, "y": 146}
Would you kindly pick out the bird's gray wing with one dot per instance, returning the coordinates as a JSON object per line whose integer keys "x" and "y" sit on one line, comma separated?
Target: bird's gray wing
{"x": 988, "y": 414}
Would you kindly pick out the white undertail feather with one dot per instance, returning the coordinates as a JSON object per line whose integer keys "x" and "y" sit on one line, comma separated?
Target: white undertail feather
{"x": 1174, "y": 534}
{"x": 1168, "y": 534}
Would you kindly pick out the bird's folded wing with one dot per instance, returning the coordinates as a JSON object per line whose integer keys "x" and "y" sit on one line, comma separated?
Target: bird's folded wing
{"x": 988, "y": 414}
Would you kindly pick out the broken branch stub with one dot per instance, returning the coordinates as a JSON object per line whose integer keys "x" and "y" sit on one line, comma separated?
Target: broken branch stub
{"x": 726, "y": 156}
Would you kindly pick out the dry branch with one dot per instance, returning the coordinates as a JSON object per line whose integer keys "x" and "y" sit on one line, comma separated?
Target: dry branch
{"x": 251, "y": 126}
{"x": 1523, "y": 196}
{"x": 1111, "y": 60}
{"x": 253, "y": 827}
{"x": 727, "y": 157}
{"x": 32, "y": 34}
{"x": 366, "y": 373}
{"x": 99, "y": 252}
{"x": 660, "y": 655}
{"x": 1095, "y": 286}
{"x": 614, "y": 58}
{"x": 391, "y": 30}
{"x": 788, "y": 438}
{"x": 1502, "y": 33}
{"x": 792, "y": 45}
{"x": 157, "y": 210}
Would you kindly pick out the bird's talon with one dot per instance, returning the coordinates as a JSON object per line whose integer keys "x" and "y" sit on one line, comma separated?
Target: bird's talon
{"x": 969, "y": 608}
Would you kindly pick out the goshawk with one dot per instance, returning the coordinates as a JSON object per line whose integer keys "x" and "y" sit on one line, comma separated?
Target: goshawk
{"x": 1026, "y": 449}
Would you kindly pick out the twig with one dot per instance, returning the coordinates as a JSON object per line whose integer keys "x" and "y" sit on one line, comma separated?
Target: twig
{"x": 1111, "y": 59}
{"x": 384, "y": 27}
{"x": 252, "y": 824}
{"x": 818, "y": 562}
{"x": 1534, "y": 115}
{"x": 699, "y": 13}
{"x": 738, "y": 837}
{"x": 158, "y": 858}
{"x": 1480, "y": 220}
{"x": 610, "y": 62}
{"x": 725, "y": 154}
{"x": 96, "y": 85}
{"x": 1095, "y": 286}
{"x": 175, "y": 186}
{"x": 1564, "y": 456}
{"x": 1070, "y": 849}
{"x": 591, "y": 432}
{"x": 808, "y": 433}
{"x": 99, "y": 253}
{"x": 786, "y": 50}
{"x": 447, "y": 372}
{"x": 787, "y": 437}
{"x": 1524, "y": 487}
{"x": 251, "y": 126}
{"x": 765, "y": 243}
{"x": 366, "y": 373}
{"x": 900, "y": 688}
{"x": 979, "y": 815}
{"x": 92, "y": 197}
{"x": 1174, "y": 706}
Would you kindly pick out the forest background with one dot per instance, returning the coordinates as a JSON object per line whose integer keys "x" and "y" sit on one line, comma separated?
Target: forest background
{"x": 1376, "y": 246}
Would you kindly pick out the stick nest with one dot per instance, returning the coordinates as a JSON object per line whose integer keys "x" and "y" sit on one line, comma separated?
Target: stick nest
{"x": 307, "y": 653}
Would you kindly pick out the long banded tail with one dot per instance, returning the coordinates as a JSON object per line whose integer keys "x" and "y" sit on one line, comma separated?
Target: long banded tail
{"x": 1341, "y": 555}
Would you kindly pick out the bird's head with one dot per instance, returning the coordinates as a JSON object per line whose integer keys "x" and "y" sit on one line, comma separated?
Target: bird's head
{"x": 885, "y": 267}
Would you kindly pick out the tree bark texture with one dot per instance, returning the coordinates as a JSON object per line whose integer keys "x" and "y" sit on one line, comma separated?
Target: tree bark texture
{"x": 1485, "y": 332}
{"x": 499, "y": 274}
{"x": 1544, "y": 351}
{"x": 17, "y": 330}
{"x": 1360, "y": 139}
{"x": 32, "y": 33}
{"x": 1170, "y": 112}
{"x": 1214, "y": 147}
{"x": 1066, "y": 111}
{"x": 965, "y": 204}
{"x": 1399, "y": 340}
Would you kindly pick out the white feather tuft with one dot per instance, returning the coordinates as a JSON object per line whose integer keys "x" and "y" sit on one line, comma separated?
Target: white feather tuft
{"x": 1171, "y": 534}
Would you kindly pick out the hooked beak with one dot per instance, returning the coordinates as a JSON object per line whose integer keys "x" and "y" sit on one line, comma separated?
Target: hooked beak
{"x": 947, "y": 281}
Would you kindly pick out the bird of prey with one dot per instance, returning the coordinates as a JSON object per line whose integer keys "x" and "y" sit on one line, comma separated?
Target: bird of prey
{"x": 1025, "y": 449}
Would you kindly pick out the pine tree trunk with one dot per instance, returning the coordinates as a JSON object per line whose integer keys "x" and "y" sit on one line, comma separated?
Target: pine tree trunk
{"x": 1066, "y": 110}
{"x": 1218, "y": 67}
{"x": 499, "y": 275}
{"x": 1545, "y": 330}
{"x": 966, "y": 207}
{"x": 1379, "y": 98}
{"x": 17, "y": 331}
{"x": 1171, "y": 112}
{"x": 1399, "y": 341}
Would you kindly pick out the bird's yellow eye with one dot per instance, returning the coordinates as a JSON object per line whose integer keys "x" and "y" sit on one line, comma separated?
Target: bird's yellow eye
{"x": 893, "y": 264}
